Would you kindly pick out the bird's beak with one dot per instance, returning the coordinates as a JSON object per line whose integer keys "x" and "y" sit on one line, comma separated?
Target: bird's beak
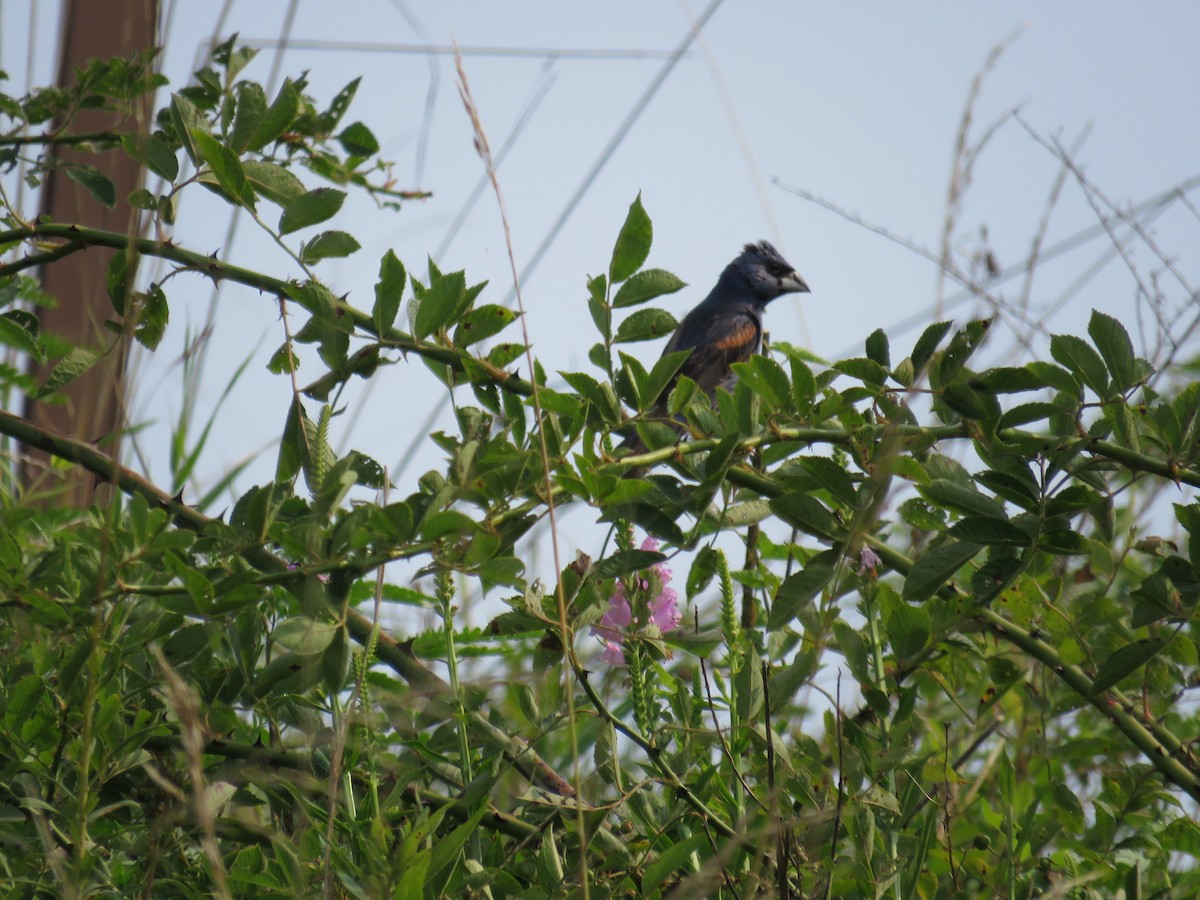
{"x": 792, "y": 283}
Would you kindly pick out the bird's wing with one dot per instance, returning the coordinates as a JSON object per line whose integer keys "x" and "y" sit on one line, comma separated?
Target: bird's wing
{"x": 724, "y": 337}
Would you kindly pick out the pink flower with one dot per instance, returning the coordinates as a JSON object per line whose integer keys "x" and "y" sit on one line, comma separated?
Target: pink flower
{"x": 657, "y": 605}
{"x": 664, "y": 611}
{"x": 612, "y": 654}
{"x": 868, "y": 561}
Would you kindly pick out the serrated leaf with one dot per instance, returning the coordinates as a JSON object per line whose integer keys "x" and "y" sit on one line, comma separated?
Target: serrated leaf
{"x": 981, "y": 530}
{"x": 153, "y": 313}
{"x": 806, "y": 513}
{"x": 22, "y": 329}
{"x": 624, "y": 562}
{"x": 358, "y": 140}
{"x": 993, "y": 577}
{"x": 660, "y": 376}
{"x": 187, "y": 120}
{"x": 645, "y": 325}
{"x": 1124, "y": 662}
{"x": 935, "y": 567}
{"x": 908, "y": 629}
{"x": 251, "y": 110}
{"x": 1078, "y": 356}
{"x": 226, "y": 167}
{"x": 273, "y": 181}
{"x": 877, "y": 348}
{"x": 865, "y": 370}
{"x": 96, "y": 183}
{"x": 832, "y": 477}
{"x": 961, "y": 499}
{"x": 646, "y": 285}
{"x": 278, "y": 118}
{"x": 633, "y": 243}
{"x": 767, "y": 379}
{"x": 305, "y": 636}
{"x": 1024, "y": 413}
{"x": 798, "y": 589}
{"x": 436, "y": 306}
{"x": 152, "y": 152}
{"x": 311, "y": 208}
{"x": 1112, "y": 340}
{"x": 927, "y": 343}
{"x": 964, "y": 401}
{"x": 389, "y": 290}
{"x": 481, "y": 323}
{"x": 1007, "y": 380}
{"x": 70, "y": 367}
{"x": 329, "y": 244}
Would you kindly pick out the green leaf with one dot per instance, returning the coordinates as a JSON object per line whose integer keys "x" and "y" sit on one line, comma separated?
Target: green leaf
{"x": 1112, "y": 340}
{"x": 97, "y": 184}
{"x": 311, "y": 208}
{"x": 187, "y": 120}
{"x": 961, "y": 498}
{"x": 767, "y": 379}
{"x": 1056, "y": 377}
{"x": 646, "y": 285}
{"x": 908, "y": 628}
{"x": 966, "y": 402}
{"x": 633, "y": 243}
{"x": 798, "y": 589}
{"x": 226, "y": 167}
{"x": 1024, "y": 413}
{"x": 625, "y": 562}
{"x": 251, "y": 110}
{"x": 1007, "y": 380}
{"x": 21, "y": 329}
{"x": 1078, "y": 356}
{"x": 806, "y": 513}
{"x": 935, "y": 567}
{"x": 303, "y": 635}
{"x": 927, "y": 343}
{"x": 481, "y": 323}
{"x": 117, "y": 278}
{"x": 273, "y": 181}
{"x": 877, "y": 348}
{"x": 153, "y": 312}
{"x": 329, "y": 244}
{"x": 339, "y": 104}
{"x": 829, "y": 475}
{"x": 279, "y": 117}
{"x": 675, "y": 857}
{"x": 152, "y": 152}
{"x": 389, "y": 291}
{"x": 437, "y": 306}
{"x": 645, "y": 325}
{"x": 358, "y": 140}
{"x": 70, "y": 367}
{"x": 1124, "y": 662}
{"x": 660, "y": 376}
{"x": 982, "y": 530}
{"x": 446, "y": 850}
{"x": 865, "y": 370}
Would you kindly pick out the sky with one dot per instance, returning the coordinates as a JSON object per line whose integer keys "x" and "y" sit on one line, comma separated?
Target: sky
{"x": 858, "y": 104}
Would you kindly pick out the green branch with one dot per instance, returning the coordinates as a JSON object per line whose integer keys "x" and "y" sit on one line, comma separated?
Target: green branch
{"x": 217, "y": 270}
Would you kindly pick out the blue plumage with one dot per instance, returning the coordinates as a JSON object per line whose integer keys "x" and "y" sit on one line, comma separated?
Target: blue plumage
{"x": 727, "y": 326}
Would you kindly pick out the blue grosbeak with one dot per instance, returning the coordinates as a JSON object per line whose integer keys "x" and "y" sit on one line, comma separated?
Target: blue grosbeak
{"x": 727, "y": 326}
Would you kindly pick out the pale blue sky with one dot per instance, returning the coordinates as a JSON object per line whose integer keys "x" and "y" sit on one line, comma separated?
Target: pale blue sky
{"x": 857, "y": 103}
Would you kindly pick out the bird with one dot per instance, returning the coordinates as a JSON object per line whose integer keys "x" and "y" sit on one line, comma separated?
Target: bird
{"x": 727, "y": 325}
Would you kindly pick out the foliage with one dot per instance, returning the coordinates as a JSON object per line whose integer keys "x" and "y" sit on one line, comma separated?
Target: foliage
{"x": 195, "y": 705}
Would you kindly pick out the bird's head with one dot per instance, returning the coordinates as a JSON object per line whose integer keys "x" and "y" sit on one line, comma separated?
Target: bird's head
{"x": 767, "y": 273}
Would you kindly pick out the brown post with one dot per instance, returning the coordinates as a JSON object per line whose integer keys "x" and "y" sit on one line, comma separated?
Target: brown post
{"x": 94, "y": 404}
